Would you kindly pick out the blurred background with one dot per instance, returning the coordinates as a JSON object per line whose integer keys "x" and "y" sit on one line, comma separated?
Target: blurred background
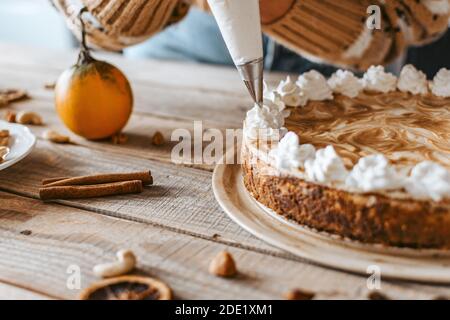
{"x": 36, "y": 23}
{"x": 33, "y": 23}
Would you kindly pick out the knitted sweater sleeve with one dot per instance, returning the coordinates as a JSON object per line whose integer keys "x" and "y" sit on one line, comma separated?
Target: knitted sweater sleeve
{"x": 330, "y": 31}
{"x": 115, "y": 24}
{"x": 337, "y": 32}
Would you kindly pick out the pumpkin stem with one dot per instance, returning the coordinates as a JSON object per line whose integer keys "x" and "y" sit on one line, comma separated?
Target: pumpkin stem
{"x": 85, "y": 54}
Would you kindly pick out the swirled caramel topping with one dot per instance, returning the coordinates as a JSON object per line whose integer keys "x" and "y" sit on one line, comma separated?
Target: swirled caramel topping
{"x": 405, "y": 128}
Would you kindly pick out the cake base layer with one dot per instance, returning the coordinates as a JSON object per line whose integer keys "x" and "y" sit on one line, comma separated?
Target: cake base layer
{"x": 368, "y": 218}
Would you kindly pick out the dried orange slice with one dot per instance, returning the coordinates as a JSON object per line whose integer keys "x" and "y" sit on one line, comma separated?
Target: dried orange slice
{"x": 127, "y": 288}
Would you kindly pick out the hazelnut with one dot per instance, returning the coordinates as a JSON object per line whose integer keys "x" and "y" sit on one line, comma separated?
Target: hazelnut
{"x": 297, "y": 294}
{"x": 49, "y": 85}
{"x": 158, "y": 139}
{"x": 223, "y": 265}
{"x": 119, "y": 138}
{"x": 10, "y": 116}
{"x": 4, "y": 133}
{"x": 4, "y": 139}
{"x": 376, "y": 295}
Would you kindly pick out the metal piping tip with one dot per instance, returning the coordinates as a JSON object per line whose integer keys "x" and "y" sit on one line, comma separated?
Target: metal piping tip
{"x": 252, "y": 75}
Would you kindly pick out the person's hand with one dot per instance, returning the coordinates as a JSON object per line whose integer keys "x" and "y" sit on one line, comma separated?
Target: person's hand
{"x": 272, "y": 10}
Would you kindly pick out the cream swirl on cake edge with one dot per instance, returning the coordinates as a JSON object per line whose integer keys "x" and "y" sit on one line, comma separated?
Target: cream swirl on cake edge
{"x": 289, "y": 154}
{"x": 378, "y": 80}
{"x": 412, "y": 80}
{"x": 374, "y": 173}
{"x": 267, "y": 121}
{"x": 315, "y": 86}
{"x": 291, "y": 94}
{"x": 327, "y": 167}
{"x": 346, "y": 83}
{"x": 441, "y": 83}
{"x": 429, "y": 180}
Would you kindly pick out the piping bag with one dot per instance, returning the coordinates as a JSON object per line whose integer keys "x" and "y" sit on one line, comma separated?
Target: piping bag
{"x": 240, "y": 24}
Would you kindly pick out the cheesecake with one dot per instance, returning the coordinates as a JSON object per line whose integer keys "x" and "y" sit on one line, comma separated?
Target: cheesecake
{"x": 366, "y": 159}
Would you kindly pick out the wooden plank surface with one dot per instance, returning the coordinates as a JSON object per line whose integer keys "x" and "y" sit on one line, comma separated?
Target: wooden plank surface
{"x": 13, "y": 292}
{"x": 175, "y": 226}
{"x": 172, "y": 89}
{"x": 181, "y": 198}
{"x": 163, "y": 103}
{"x": 46, "y": 239}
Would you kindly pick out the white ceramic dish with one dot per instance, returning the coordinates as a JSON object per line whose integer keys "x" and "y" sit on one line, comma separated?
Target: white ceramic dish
{"x": 21, "y": 143}
{"x": 322, "y": 248}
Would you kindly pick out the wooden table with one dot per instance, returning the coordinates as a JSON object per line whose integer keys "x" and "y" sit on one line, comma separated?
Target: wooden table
{"x": 175, "y": 227}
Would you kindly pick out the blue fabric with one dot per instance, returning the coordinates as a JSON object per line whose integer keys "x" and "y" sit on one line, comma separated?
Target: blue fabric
{"x": 432, "y": 57}
{"x": 197, "y": 38}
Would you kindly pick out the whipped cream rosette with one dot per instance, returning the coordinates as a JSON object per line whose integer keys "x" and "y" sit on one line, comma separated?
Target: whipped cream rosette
{"x": 429, "y": 180}
{"x": 314, "y": 85}
{"x": 289, "y": 154}
{"x": 441, "y": 83}
{"x": 291, "y": 94}
{"x": 266, "y": 121}
{"x": 327, "y": 166}
{"x": 346, "y": 83}
{"x": 374, "y": 173}
{"x": 378, "y": 80}
{"x": 412, "y": 80}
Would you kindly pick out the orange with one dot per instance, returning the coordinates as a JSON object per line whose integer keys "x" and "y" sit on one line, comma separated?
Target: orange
{"x": 93, "y": 99}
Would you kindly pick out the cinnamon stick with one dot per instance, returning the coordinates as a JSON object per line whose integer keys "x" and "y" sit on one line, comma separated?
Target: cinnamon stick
{"x": 90, "y": 191}
{"x": 144, "y": 176}
{"x": 51, "y": 180}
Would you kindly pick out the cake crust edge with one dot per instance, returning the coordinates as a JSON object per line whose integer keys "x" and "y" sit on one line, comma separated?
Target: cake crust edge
{"x": 368, "y": 218}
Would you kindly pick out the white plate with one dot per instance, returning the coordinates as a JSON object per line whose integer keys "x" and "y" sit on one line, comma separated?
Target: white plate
{"x": 21, "y": 143}
{"x": 319, "y": 247}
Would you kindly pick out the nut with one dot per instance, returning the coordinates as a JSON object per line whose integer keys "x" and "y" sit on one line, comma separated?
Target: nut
{"x": 10, "y": 116}
{"x": 49, "y": 85}
{"x": 4, "y": 138}
{"x": 29, "y": 117}
{"x": 377, "y": 295}
{"x": 11, "y": 95}
{"x": 297, "y": 294}
{"x": 126, "y": 261}
{"x": 4, "y": 141}
{"x": 4, "y": 133}
{"x": 223, "y": 265}
{"x": 3, "y": 153}
{"x": 55, "y": 137}
{"x": 119, "y": 138}
{"x": 158, "y": 139}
